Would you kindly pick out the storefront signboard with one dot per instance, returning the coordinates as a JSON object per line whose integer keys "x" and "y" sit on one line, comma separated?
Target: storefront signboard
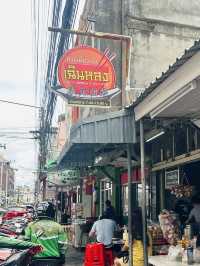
{"x": 136, "y": 176}
{"x": 171, "y": 178}
{"x": 67, "y": 177}
{"x": 87, "y": 78}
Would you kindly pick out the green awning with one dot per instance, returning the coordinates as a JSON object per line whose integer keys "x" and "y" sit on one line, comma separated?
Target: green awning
{"x": 51, "y": 165}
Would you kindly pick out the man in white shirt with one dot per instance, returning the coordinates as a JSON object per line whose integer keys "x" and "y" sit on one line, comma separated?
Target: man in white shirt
{"x": 104, "y": 230}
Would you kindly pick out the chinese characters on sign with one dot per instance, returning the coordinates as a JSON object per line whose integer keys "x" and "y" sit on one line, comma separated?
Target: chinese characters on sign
{"x": 87, "y": 77}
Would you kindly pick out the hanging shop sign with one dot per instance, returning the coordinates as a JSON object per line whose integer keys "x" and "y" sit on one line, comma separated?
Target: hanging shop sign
{"x": 135, "y": 176}
{"x": 171, "y": 178}
{"x": 88, "y": 184}
{"x": 87, "y": 78}
{"x": 70, "y": 177}
{"x": 67, "y": 177}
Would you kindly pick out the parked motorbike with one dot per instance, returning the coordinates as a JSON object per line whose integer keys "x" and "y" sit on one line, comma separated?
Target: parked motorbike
{"x": 14, "y": 252}
{"x": 14, "y": 226}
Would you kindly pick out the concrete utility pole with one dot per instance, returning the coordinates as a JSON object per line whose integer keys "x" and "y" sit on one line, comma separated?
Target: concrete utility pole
{"x": 1, "y": 180}
{"x": 6, "y": 192}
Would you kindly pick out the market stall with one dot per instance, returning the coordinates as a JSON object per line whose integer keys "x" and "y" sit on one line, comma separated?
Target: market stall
{"x": 79, "y": 227}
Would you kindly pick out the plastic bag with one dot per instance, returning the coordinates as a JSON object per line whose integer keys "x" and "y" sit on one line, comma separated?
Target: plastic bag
{"x": 170, "y": 226}
{"x": 175, "y": 253}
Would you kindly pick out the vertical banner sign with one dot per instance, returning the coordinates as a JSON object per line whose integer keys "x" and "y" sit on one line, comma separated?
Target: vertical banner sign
{"x": 87, "y": 78}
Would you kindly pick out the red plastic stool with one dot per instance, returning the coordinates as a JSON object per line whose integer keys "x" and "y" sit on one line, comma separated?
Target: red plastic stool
{"x": 94, "y": 255}
{"x": 109, "y": 258}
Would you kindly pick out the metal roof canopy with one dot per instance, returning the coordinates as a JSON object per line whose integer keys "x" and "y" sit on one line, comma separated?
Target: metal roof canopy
{"x": 178, "y": 96}
{"x": 91, "y": 134}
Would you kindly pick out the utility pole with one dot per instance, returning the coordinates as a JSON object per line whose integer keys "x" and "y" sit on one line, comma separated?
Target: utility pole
{"x": 1, "y": 180}
{"x": 6, "y": 193}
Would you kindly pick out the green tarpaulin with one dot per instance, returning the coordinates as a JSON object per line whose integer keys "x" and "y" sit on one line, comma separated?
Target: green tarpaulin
{"x": 8, "y": 242}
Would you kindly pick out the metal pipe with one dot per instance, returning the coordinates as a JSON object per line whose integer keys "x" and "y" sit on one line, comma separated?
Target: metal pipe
{"x": 101, "y": 211}
{"x": 100, "y": 35}
{"x": 143, "y": 179}
{"x": 130, "y": 240}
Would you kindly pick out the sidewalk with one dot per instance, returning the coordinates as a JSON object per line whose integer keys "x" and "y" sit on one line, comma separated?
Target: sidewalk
{"x": 74, "y": 257}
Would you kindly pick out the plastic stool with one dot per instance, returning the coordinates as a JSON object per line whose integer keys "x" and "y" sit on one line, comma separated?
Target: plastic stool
{"x": 109, "y": 258}
{"x": 94, "y": 255}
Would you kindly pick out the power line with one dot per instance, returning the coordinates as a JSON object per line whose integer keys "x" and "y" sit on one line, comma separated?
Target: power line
{"x": 21, "y": 104}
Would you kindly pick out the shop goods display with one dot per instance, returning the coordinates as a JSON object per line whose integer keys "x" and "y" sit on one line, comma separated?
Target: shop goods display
{"x": 169, "y": 224}
{"x": 181, "y": 191}
{"x": 77, "y": 210}
{"x": 159, "y": 244}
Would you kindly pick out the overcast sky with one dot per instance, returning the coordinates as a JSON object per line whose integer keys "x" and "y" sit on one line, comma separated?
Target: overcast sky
{"x": 16, "y": 84}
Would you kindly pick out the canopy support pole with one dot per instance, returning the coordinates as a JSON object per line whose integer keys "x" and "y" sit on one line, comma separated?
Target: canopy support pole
{"x": 129, "y": 206}
{"x": 143, "y": 179}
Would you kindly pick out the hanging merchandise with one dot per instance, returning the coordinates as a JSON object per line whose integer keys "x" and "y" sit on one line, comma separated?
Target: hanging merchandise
{"x": 181, "y": 191}
{"x": 169, "y": 224}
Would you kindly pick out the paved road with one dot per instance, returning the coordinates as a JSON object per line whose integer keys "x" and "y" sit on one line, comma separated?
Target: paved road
{"x": 74, "y": 257}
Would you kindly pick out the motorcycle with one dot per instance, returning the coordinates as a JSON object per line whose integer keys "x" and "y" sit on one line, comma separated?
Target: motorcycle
{"x": 14, "y": 227}
{"x": 15, "y": 252}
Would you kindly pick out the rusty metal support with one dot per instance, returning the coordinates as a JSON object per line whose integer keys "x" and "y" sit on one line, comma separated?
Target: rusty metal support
{"x": 130, "y": 237}
{"x": 143, "y": 179}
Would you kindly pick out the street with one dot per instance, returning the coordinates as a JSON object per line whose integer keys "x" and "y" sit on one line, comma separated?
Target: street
{"x": 99, "y": 131}
{"x": 74, "y": 257}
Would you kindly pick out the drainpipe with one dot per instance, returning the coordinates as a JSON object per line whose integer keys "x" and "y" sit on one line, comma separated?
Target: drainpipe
{"x": 143, "y": 179}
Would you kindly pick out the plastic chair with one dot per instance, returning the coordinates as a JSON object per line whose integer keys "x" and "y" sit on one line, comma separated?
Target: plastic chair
{"x": 94, "y": 255}
{"x": 109, "y": 258}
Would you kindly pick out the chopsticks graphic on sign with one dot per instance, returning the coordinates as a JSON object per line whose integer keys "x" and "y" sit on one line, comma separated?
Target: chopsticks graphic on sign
{"x": 106, "y": 55}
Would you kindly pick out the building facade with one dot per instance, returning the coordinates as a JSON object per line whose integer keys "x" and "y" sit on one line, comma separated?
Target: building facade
{"x": 160, "y": 33}
{"x": 7, "y": 178}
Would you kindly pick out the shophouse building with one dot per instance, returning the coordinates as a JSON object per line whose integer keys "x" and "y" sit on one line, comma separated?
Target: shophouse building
{"x": 160, "y": 33}
{"x": 7, "y": 175}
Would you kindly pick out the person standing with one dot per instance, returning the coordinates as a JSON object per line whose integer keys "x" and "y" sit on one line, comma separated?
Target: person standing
{"x": 48, "y": 234}
{"x": 110, "y": 210}
{"x": 194, "y": 216}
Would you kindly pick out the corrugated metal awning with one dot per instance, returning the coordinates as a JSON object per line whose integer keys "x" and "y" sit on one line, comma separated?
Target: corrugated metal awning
{"x": 87, "y": 137}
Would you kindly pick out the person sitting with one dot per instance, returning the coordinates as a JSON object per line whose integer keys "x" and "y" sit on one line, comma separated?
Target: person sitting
{"x": 48, "y": 234}
{"x": 103, "y": 230}
{"x": 137, "y": 235}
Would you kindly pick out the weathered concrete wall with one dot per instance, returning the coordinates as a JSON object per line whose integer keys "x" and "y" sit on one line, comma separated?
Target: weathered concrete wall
{"x": 161, "y": 31}
{"x": 156, "y": 45}
{"x": 179, "y": 11}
